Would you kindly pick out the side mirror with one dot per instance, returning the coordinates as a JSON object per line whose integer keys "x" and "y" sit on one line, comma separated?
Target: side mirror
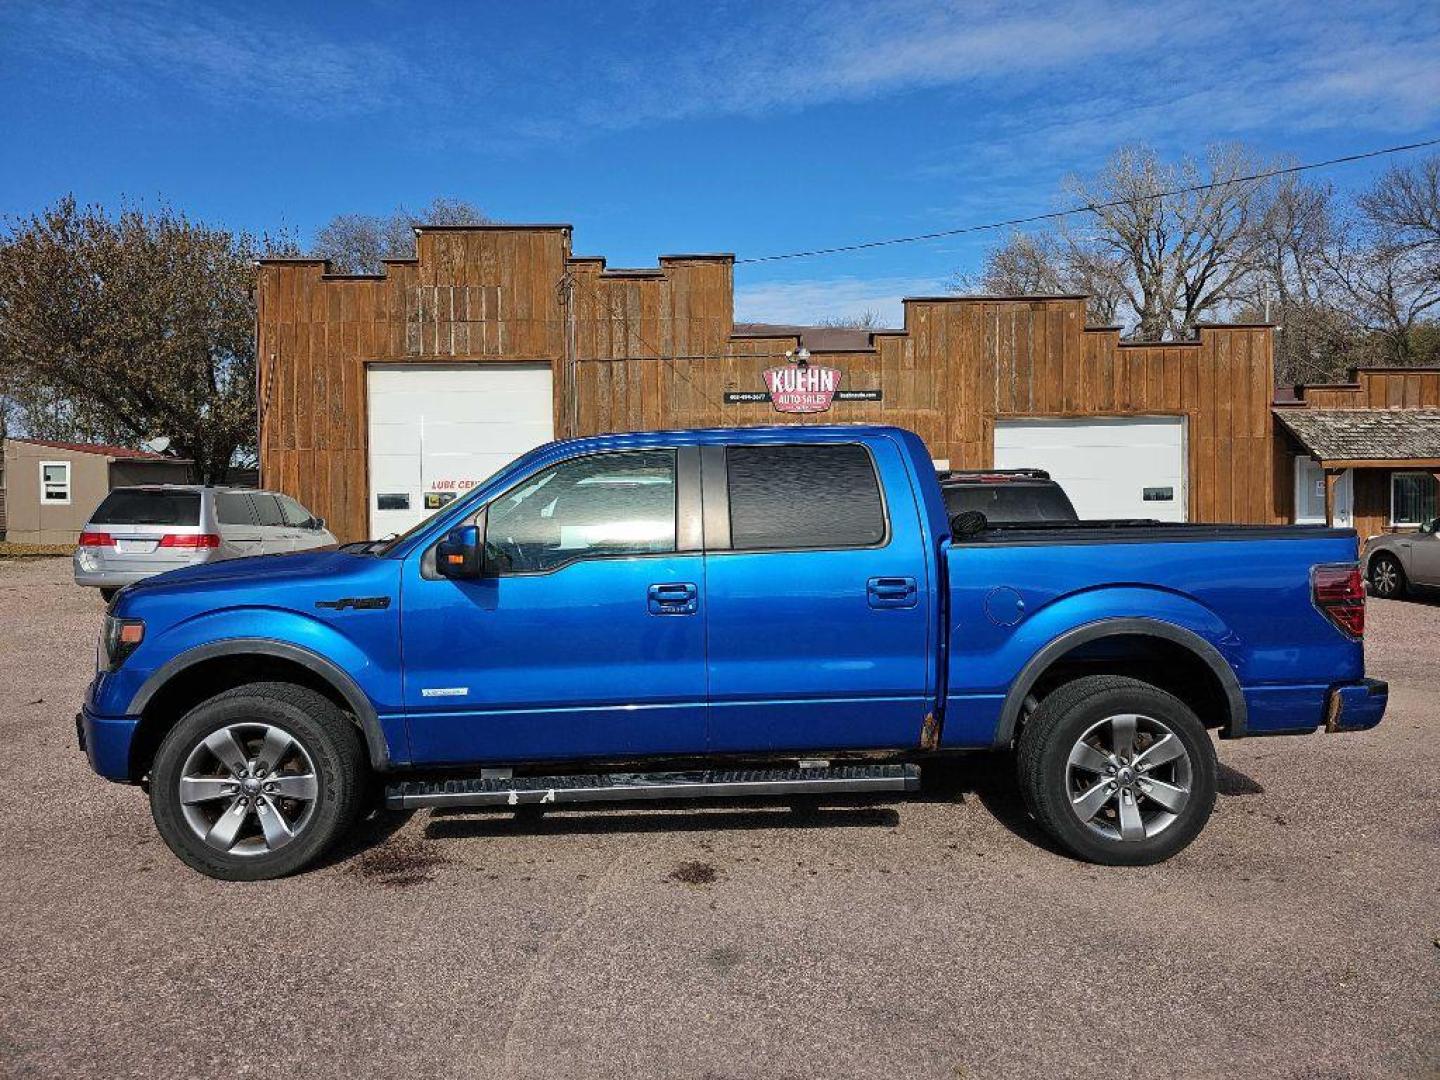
{"x": 317, "y": 523}
{"x": 458, "y": 556}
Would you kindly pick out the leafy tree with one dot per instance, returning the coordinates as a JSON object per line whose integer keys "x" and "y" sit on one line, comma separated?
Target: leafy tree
{"x": 356, "y": 243}
{"x": 118, "y": 328}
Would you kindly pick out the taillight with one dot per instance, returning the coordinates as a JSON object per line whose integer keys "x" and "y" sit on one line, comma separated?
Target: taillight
{"x": 96, "y": 539}
{"x": 1338, "y": 590}
{"x": 190, "y": 540}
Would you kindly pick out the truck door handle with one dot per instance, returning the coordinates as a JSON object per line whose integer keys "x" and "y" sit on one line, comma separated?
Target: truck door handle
{"x": 676, "y": 598}
{"x": 892, "y": 592}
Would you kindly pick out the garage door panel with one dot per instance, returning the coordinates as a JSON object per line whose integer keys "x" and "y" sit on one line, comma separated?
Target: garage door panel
{"x": 1105, "y": 464}
{"x": 437, "y": 431}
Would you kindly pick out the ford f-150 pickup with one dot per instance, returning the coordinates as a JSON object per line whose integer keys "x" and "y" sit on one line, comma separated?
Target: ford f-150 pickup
{"x": 752, "y": 612}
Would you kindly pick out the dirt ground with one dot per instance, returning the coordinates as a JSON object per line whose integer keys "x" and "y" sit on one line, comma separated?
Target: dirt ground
{"x": 933, "y": 937}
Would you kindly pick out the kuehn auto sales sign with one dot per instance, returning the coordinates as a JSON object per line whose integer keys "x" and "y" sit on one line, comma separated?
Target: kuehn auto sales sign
{"x": 801, "y": 388}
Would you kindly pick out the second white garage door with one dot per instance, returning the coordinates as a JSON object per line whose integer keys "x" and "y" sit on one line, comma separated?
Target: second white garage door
{"x": 1111, "y": 467}
{"x": 437, "y": 431}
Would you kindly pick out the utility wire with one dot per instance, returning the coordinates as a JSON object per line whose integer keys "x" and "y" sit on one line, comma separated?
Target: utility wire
{"x": 1090, "y": 208}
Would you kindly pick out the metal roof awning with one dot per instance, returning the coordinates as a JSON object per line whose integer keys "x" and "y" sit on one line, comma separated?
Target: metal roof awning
{"x": 1367, "y": 438}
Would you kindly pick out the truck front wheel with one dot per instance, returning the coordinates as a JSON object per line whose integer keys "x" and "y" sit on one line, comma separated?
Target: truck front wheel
{"x": 1118, "y": 771}
{"x": 257, "y": 782}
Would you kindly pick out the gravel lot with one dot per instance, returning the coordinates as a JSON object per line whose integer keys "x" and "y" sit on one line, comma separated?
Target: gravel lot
{"x": 1298, "y": 937}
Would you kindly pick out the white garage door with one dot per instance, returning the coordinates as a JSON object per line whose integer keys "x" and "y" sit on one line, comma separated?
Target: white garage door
{"x": 1111, "y": 467}
{"x": 435, "y": 432}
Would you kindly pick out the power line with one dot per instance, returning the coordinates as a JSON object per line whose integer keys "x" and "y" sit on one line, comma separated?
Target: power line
{"x": 1090, "y": 208}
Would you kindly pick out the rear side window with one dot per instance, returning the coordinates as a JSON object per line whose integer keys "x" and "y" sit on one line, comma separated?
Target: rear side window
{"x": 233, "y": 509}
{"x": 267, "y": 510}
{"x": 817, "y": 496}
{"x": 139, "y": 506}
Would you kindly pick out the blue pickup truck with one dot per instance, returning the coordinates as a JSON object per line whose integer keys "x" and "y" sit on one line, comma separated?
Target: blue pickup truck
{"x": 755, "y": 612}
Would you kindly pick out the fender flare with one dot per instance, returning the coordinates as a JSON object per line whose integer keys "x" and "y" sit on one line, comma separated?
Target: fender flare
{"x": 1104, "y": 628}
{"x": 328, "y": 670}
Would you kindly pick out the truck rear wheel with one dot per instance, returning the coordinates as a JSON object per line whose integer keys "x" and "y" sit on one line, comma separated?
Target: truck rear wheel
{"x": 257, "y": 782}
{"x": 1118, "y": 771}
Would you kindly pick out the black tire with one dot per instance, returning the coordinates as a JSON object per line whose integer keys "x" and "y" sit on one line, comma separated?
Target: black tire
{"x": 1060, "y": 722}
{"x": 332, "y": 743}
{"x": 108, "y": 594}
{"x": 1386, "y": 586}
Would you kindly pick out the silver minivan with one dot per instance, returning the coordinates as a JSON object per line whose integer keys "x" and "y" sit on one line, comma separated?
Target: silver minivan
{"x": 141, "y": 531}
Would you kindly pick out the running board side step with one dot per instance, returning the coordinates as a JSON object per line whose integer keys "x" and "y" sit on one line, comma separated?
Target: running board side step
{"x": 623, "y": 787}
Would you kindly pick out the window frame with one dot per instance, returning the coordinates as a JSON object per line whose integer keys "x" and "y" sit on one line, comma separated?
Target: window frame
{"x": 721, "y": 490}
{"x": 69, "y": 483}
{"x": 679, "y": 460}
{"x": 1396, "y": 474}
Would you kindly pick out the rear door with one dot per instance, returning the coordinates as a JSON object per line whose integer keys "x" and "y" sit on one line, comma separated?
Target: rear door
{"x": 239, "y": 529}
{"x": 819, "y": 599}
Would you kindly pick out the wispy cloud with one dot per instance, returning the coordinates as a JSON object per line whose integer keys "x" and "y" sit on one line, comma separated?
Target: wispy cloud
{"x": 810, "y": 300}
{"x": 240, "y": 59}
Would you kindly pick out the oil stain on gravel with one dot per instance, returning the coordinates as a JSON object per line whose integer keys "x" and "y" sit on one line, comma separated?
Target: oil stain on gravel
{"x": 694, "y": 872}
{"x": 399, "y": 862}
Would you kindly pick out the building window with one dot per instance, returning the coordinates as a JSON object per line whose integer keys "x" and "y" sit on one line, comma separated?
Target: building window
{"x": 55, "y": 483}
{"x": 1412, "y": 498}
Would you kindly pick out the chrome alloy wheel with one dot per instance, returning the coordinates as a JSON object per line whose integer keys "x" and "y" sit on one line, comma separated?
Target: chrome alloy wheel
{"x": 1128, "y": 777}
{"x": 1384, "y": 577}
{"x": 248, "y": 789}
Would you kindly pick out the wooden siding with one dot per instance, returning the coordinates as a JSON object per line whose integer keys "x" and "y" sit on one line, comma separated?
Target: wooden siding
{"x": 654, "y": 348}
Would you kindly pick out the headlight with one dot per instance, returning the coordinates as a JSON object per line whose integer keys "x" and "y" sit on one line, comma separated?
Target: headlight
{"x": 118, "y": 639}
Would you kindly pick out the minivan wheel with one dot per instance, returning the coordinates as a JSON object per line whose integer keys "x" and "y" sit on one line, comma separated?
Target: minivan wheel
{"x": 257, "y": 782}
{"x": 1387, "y": 577}
{"x": 1116, "y": 770}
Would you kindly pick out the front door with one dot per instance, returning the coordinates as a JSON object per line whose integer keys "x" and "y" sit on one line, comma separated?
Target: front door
{"x": 819, "y": 597}
{"x": 586, "y": 636}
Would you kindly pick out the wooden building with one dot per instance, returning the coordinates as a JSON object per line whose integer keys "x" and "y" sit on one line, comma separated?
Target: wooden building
{"x": 383, "y": 396}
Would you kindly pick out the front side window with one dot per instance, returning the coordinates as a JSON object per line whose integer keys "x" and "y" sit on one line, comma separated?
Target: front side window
{"x": 55, "y": 483}
{"x": 797, "y": 497}
{"x": 1412, "y": 498}
{"x": 296, "y": 516}
{"x": 591, "y": 507}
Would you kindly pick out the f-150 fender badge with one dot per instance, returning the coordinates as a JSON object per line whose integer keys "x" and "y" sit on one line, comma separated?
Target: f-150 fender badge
{"x": 445, "y": 691}
{"x": 357, "y": 603}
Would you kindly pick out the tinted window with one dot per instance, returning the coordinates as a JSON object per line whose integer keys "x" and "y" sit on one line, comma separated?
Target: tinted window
{"x": 604, "y": 504}
{"x": 267, "y": 510}
{"x": 295, "y": 514}
{"x": 233, "y": 509}
{"x": 138, "y": 506}
{"x": 803, "y": 497}
{"x": 1011, "y": 503}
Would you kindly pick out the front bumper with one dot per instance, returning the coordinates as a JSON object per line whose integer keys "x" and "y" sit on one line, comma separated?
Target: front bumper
{"x": 106, "y": 741}
{"x": 1357, "y": 706}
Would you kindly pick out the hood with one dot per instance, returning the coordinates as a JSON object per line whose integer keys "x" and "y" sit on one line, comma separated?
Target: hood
{"x": 258, "y": 570}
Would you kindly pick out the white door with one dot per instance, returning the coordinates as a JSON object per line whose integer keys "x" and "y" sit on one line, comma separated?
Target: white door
{"x": 1111, "y": 467}
{"x": 1310, "y": 494}
{"x": 437, "y": 431}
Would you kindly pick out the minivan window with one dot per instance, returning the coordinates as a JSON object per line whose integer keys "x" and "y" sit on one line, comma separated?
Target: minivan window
{"x": 267, "y": 510}
{"x": 585, "y": 508}
{"x": 811, "y": 496}
{"x": 295, "y": 514}
{"x": 233, "y": 508}
{"x": 143, "y": 506}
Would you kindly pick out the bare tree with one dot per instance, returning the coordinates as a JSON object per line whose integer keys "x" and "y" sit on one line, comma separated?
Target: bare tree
{"x": 1404, "y": 205}
{"x": 1029, "y": 264}
{"x": 865, "y": 320}
{"x": 121, "y": 327}
{"x": 356, "y": 243}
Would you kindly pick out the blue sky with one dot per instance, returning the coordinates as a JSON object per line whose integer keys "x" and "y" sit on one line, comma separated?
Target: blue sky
{"x": 673, "y": 127}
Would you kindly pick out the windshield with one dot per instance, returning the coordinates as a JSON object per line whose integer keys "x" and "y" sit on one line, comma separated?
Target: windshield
{"x": 1011, "y": 503}
{"x": 141, "y": 506}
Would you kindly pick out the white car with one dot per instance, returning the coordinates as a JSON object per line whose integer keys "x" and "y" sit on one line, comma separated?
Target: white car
{"x": 1395, "y": 561}
{"x": 141, "y": 531}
